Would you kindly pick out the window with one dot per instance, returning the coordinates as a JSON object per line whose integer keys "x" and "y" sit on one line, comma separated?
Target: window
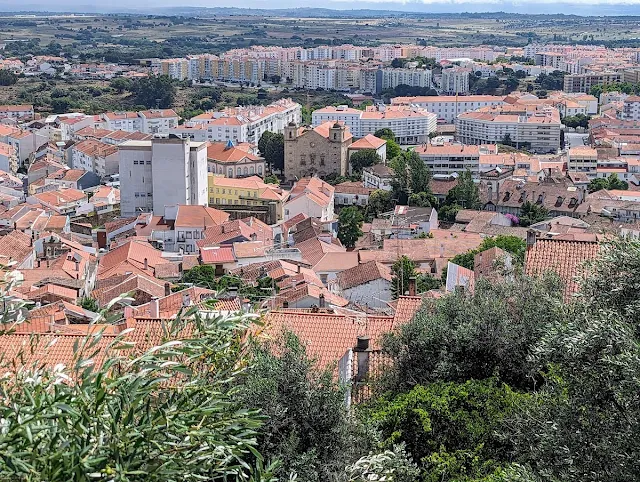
{"x": 137, "y": 194}
{"x": 149, "y": 194}
{"x": 188, "y": 234}
{"x": 149, "y": 162}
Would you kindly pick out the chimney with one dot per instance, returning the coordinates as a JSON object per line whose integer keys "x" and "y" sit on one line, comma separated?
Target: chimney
{"x": 362, "y": 351}
{"x": 531, "y": 238}
{"x": 77, "y": 263}
{"x": 412, "y": 286}
{"x": 322, "y": 301}
{"x": 167, "y": 289}
{"x": 285, "y": 304}
{"x": 38, "y": 263}
{"x": 128, "y": 312}
{"x": 146, "y": 264}
{"x": 441, "y": 250}
{"x": 154, "y": 308}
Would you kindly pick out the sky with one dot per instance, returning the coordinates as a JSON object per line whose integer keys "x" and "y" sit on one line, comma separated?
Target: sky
{"x": 580, "y": 7}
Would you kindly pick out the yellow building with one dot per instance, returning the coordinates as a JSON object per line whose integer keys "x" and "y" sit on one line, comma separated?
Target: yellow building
{"x": 246, "y": 191}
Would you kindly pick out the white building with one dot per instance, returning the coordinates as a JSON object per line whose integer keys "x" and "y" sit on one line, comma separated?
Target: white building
{"x": 410, "y": 124}
{"x": 248, "y": 123}
{"x": 162, "y": 172}
{"x": 537, "y": 130}
{"x": 455, "y": 80}
{"x": 95, "y": 156}
{"x": 631, "y": 109}
{"x": 312, "y": 197}
{"x": 448, "y": 107}
{"x": 389, "y": 78}
{"x": 449, "y": 159}
{"x": 155, "y": 121}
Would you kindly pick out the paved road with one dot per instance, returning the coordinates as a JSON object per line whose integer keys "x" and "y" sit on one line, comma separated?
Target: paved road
{"x": 574, "y": 139}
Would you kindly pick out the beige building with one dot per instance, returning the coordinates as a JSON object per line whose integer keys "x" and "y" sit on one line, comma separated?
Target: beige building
{"x": 319, "y": 151}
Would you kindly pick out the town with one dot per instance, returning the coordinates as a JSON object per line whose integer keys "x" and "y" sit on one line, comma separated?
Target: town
{"x": 333, "y": 262}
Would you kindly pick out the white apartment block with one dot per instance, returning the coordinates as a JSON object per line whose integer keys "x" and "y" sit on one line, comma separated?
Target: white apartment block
{"x": 449, "y": 159}
{"x": 455, "y": 80}
{"x": 390, "y": 78}
{"x": 410, "y": 124}
{"x": 95, "y": 156}
{"x": 162, "y": 172}
{"x": 537, "y": 130}
{"x": 449, "y": 107}
{"x": 248, "y": 123}
{"x": 631, "y": 109}
{"x": 154, "y": 121}
{"x": 18, "y": 112}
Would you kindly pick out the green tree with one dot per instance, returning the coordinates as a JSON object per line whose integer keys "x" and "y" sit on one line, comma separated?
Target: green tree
{"x": 120, "y": 84}
{"x": 137, "y": 417}
{"x": 616, "y": 183}
{"x": 350, "y": 222}
{"x": 393, "y": 149}
{"x": 423, "y": 199}
{"x": 506, "y": 140}
{"x": 7, "y": 77}
{"x": 402, "y": 271}
{"x": 531, "y": 213}
{"x": 380, "y": 201}
{"x": 274, "y": 151}
{"x": 419, "y": 173}
{"x": 154, "y": 92}
{"x": 364, "y": 158}
{"x": 579, "y": 120}
{"x": 393, "y": 465}
{"x": 464, "y": 336}
{"x": 465, "y": 193}
{"x": 272, "y": 179}
{"x": 451, "y": 429}
{"x": 401, "y": 178}
{"x": 264, "y": 140}
{"x": 386, "y": 134}
{"x": 511, "y": 244}
{"x": 306, "y": 426}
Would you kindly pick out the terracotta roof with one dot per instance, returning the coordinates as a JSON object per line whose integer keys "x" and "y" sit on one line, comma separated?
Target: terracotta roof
{"x": 169, "y": 306}
{"x": 134, "y": 282}
{"x": 220, "y": 152}
{"x": 564, "y": 257}
{"x": 406, "y": 308}
{"x": 199, "y": 216}
{"x": 363, "y": 273}
{"x": 217, "y": 255}
{"x": 327, "y": 337}
{"x": 15, "y": 246}
{"x": 337, "y": 261}
{"x": 128, "y": 258}
{"x": 313, "y": 250}
{"x": 368, "y": 142}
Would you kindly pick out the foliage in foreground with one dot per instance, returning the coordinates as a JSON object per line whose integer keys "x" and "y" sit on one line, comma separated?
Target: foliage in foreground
{"x": 168, "y": 413}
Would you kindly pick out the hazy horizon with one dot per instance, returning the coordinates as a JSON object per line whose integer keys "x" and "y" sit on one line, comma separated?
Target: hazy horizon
{"x": 575, "y": 7}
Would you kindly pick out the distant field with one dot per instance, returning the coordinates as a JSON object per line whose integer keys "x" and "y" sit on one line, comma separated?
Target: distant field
{"x": 91, "y": 33}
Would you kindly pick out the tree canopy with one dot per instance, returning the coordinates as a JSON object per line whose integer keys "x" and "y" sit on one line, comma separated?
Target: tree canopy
{"x": 154, "y": 92}
{"x": 363, "y": 158}
{"x": 350, "y": 222}
{"x": 611, "y": 182}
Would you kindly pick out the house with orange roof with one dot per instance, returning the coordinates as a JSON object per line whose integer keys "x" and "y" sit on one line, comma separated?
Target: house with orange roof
{"x": 370, "y": 142}
{"x": 17, "y": 247}
{"x": 19, "y": 112}
{"x": 366, "y": 284}
{"x": 313, "y": 197}
{"x": 320, "y": 151}
{"x": 133, "y": 256}
{"x": 78, "y": 179}
{"x": 187, "y": 225}
{"x": 62, "y": 201}
{"x": 224, "y": 158}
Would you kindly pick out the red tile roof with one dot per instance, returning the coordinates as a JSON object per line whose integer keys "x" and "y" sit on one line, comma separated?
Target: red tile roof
{"x": 363, "y": 273}
{"x": 564, "y": 257}
{"x": 217, "y": 255}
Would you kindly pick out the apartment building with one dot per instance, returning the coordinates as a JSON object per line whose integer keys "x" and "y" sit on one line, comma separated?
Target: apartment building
{"x": 447, "y": 159}
{"x": 537, "y": 129}
{"x": 582, "y": 159}
{"x": 389, "y": 78}
{"x": 584, "y": 82}
{"x": 410, "y": 124}
{"x": 162, "y": 172}
{"x": 549, "y": 59}
{"x": 247, "y": 123}
{"x": 448, "y": 107}
{"x": 154, "y": 121}
{"x": 95, "y": 156}
{"x": 455, "y": 80}
{"x": 17, "y": 112}
{"x": 631, "y": 109}
{"x": 248, "y": 191}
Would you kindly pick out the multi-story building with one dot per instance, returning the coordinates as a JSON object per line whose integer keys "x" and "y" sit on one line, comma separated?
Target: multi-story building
{"x": 320, "y": 151}
{"x": 549, "y": 59}
{"x": 248, "y": 123}
{"x": 8, "y": 158}
{"x": 455, "y": 80}
{"x": 584, "y": 82}
{"x": 582, "y": 159}
{"x": 631, "y": 109}
{"x": 410, "y": 124}
{"x": 248, "y": 191}
{"x": 154, "y": 121}
{"x": 537, "y": 129}
{"x": 389, "y": 78}
{"x": 17, "y": 112}
{"x": 448, "y": 107}
{"x": 95, "y": 156}
{"x": 449, "y": 159}
{"x": 162, "y": 172}
{"x": 229, "y": 160}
